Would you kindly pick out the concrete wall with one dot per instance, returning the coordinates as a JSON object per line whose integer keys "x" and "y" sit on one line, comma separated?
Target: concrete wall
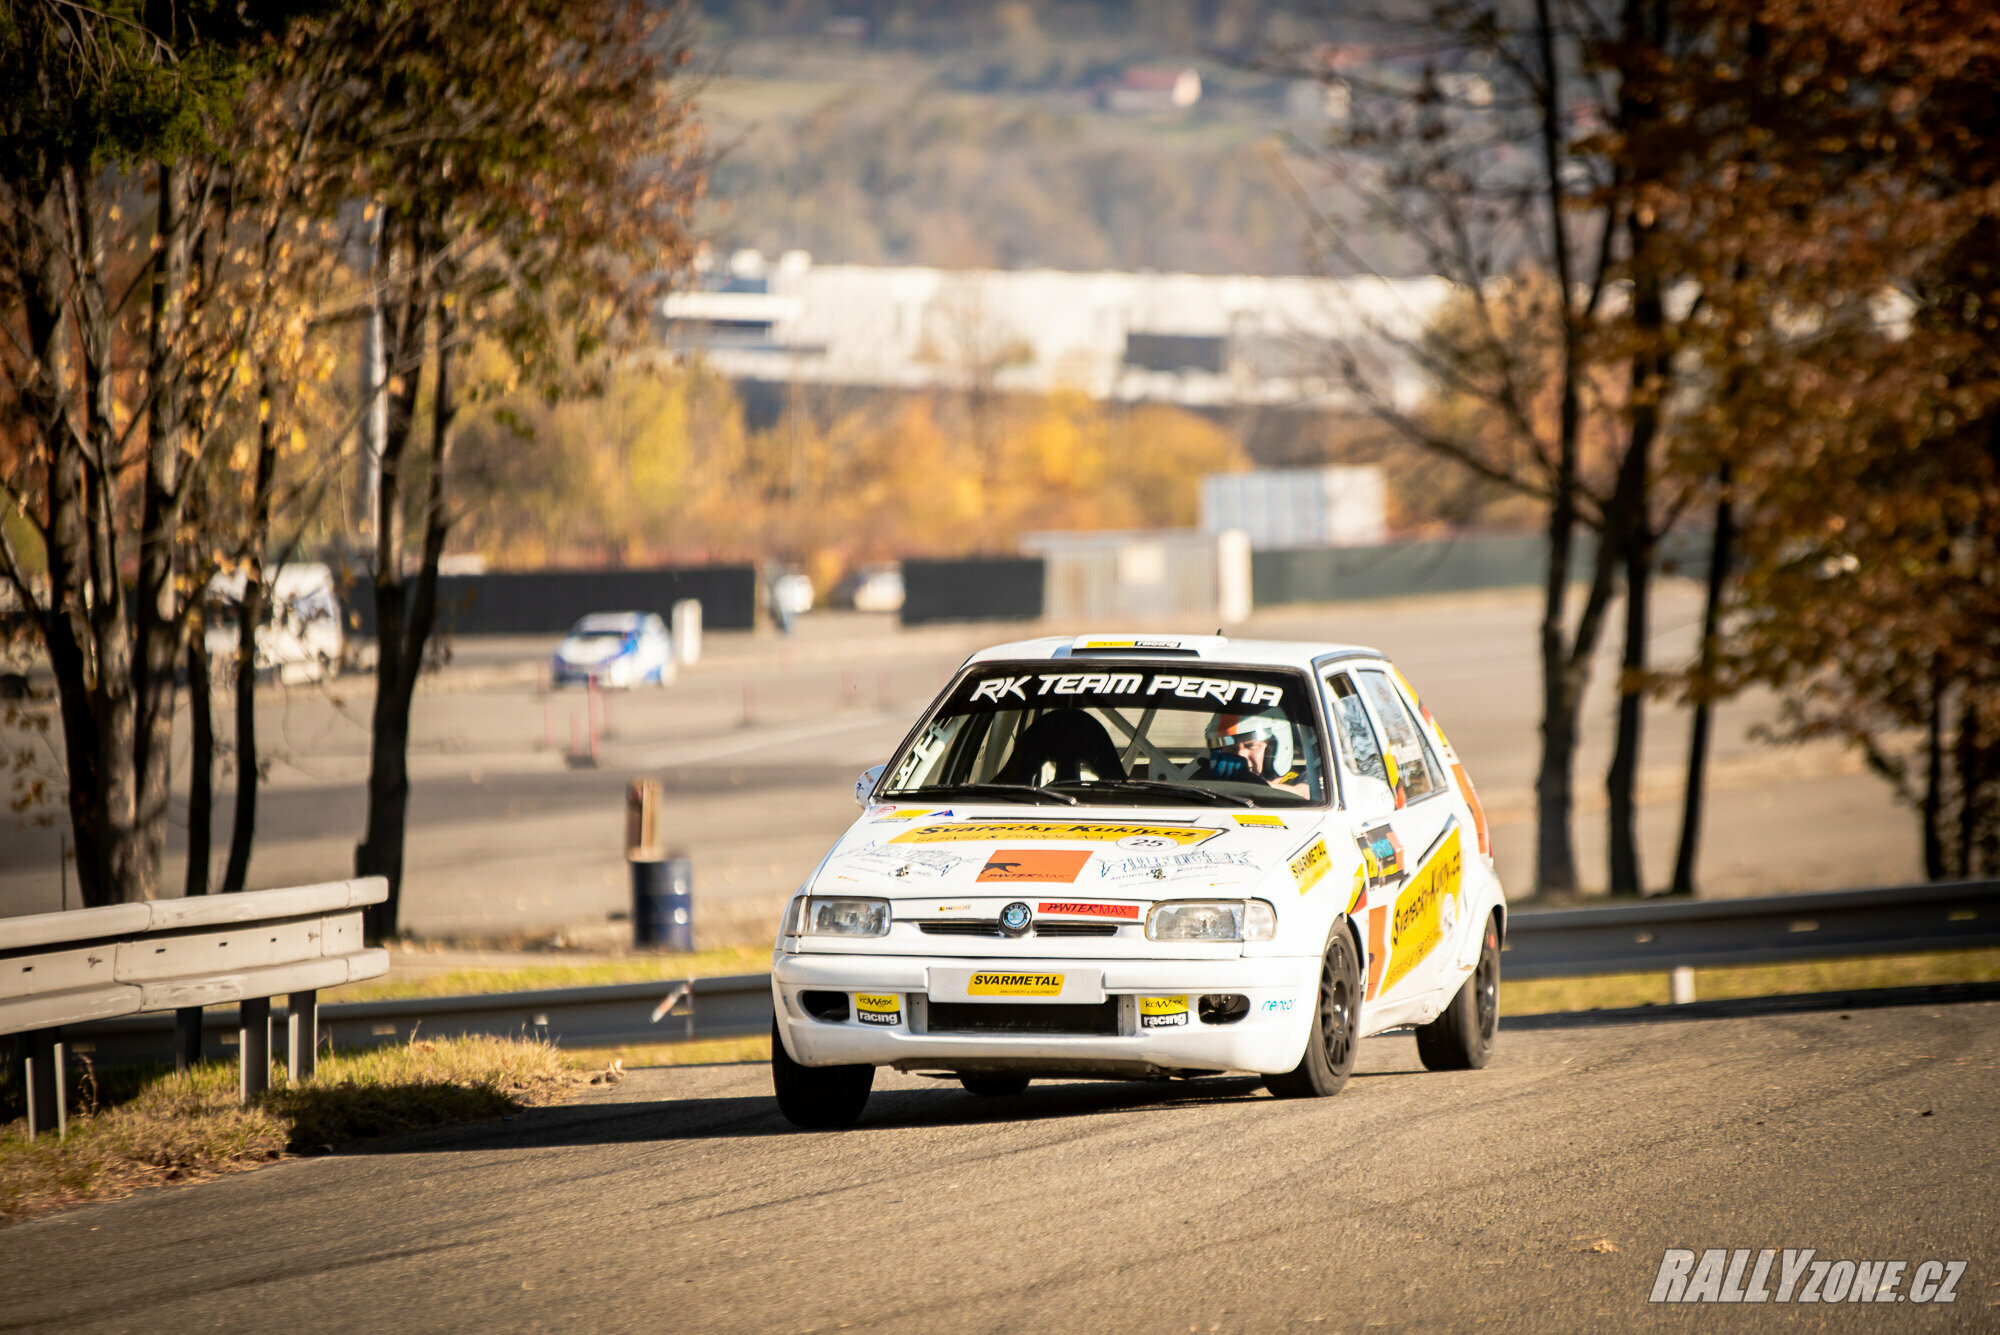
{"x": 538, "y": 602}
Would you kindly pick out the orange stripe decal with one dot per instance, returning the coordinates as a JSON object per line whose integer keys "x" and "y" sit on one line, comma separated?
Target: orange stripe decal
{"x": 1378, "y": 948}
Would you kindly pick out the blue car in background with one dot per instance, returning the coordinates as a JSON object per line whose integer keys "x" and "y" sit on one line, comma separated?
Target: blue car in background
{"x": 618, "y": 649}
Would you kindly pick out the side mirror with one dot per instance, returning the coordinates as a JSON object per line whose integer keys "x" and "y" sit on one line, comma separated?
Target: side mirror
{"x": 1369, "y": 797}
{"x": 866, "y": 783}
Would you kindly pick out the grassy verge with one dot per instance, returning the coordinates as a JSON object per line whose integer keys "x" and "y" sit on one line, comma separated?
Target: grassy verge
{"x": 137, "y": 1127}
{"x": 1543, "y": 995}
{"x": 714, "y": 963}
{"x": 702, "y": 1052}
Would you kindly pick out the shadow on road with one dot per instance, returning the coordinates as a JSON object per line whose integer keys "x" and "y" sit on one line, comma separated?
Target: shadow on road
{"x": 750, "y": 1116}
{"x": 1802, "y": 1003}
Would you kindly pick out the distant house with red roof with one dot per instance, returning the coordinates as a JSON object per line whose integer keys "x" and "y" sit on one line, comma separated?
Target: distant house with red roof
{"x": 1153, "y": 88}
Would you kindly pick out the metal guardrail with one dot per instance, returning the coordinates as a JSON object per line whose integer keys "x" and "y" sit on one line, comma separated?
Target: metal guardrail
{"x": 668, "y": 1011}
{"x": 1706, "y": 933}
{"x": 1635, "y": 938}
{"x": 62, "y": 970}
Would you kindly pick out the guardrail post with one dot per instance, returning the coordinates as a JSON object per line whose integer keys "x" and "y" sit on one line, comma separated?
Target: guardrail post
{"x": 253, "y": 1046}
{"x": 301, "y": 1035}
{"x": 1683, "y": 985}
{"x": 187, "y": 1037}
{"x": 45, "y": 1056}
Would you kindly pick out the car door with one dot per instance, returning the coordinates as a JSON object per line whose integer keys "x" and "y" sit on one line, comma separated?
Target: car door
{"x": 1412, "y": 844}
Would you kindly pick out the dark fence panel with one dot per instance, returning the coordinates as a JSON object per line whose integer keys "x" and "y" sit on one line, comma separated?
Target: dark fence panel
{"x": 976, "y": 589}
{"x": 1447, "y": 565}
{"x": 547, "y": 602}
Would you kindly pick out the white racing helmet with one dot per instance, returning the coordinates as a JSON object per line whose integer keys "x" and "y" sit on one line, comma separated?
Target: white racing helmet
{"x": 1270, "y": 724}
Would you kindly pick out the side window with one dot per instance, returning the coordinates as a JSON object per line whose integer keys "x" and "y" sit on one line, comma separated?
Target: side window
{"x": 1353, "y": 735}
{"x": 1416, "y": 768}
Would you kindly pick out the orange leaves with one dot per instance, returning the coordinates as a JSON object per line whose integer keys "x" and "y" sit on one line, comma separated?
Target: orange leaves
{"x": 663, "y": 466}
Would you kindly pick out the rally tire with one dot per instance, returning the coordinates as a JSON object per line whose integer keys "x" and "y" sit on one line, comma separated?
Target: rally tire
{"x": 1333, "y": 1041}
{"x": 818, "y": 1098}
{"x": 993, "y": 1086}
{"x": 1461, "y": 1039}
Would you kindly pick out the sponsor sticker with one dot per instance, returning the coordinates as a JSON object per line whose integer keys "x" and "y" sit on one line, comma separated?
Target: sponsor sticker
{"x": 903, "y": 863}
{"x": 897, "y": 814}
{"x": 1034, "y": 864}
{"x": 1076, "y": 832}
{"x": 1260, "y": 822}
{"x": 871, "y": 1008}
{"x": 1090, "y": 910}
{"x": 1172, "y": 866}
{"x": 1381, "y": 853}
{"x": 1015, "y": 985}
{"x": 1163, "y": 1012}
{"x": 1418, "y": 925}
{"x": 1146, "y": 841}
{"x": 1310, "y": 866}
{"x": 1222, "y": 690}
{"x": 1798, "y": 1275}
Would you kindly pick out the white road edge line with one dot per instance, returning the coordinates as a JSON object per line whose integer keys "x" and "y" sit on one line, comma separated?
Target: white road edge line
{"x": 690, "y": 753}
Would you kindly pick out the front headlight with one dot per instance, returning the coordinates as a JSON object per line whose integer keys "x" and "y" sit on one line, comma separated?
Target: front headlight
{"x": 846, "y": 917}
{"x": 1212, "y": 920}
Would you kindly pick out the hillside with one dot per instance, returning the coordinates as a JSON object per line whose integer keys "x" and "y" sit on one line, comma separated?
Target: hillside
{"x": 998, "y": 136}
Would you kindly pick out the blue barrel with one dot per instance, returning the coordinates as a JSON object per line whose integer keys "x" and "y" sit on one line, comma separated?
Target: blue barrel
{"x": 663, "y": 903}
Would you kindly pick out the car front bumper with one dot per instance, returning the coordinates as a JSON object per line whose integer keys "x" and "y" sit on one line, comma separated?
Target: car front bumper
{"x": 1268, "y": 1038}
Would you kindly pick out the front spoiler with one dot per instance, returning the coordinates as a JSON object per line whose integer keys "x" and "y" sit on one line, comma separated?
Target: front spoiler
{"x": 1269, "y": 1039}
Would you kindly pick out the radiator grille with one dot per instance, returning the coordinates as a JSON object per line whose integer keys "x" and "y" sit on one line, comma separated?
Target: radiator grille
{"x": 991, "y": 927}
{"x": 960, "y": 927}
{"x": 965, "y": 1017}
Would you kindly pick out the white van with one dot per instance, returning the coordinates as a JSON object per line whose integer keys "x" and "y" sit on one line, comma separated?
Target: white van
{"x": 299, "y": 637}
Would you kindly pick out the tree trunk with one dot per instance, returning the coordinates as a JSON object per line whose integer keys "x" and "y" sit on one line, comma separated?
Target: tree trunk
{"x": 1621, "y": 781}
{"x": 1934, "y": 865}
{"x": 65, "y": 630}
{"x": 1968, "y": 780}
{"x": 1562, "y": 693}
{"x": 157, "y": 619}
{"x": 1720, "y": 555}
{"x": 201, "y": 757}
{"x": 1629, "y": 527}
{"x": 380, "y": 852}
{"x": 124, "y": 871}
{"x": 249, "y": 616}
{"x": 243, "y": 824}
{"x": 1555, "y": 853}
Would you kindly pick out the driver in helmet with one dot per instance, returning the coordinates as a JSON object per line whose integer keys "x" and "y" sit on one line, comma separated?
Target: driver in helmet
{"x": 1245, "y": 748}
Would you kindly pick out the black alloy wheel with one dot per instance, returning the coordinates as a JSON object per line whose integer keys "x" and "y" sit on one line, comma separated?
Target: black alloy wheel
{"x": 1461, "y": 1039}
{"x": 1332, "y": 1044}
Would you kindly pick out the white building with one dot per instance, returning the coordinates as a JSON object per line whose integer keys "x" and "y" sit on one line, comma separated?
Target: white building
{"x": 1192, "y": 339}
{"x": 1335, "y": 506}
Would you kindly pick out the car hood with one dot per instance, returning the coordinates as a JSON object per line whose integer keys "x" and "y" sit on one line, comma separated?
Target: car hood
{"x": 1060, "y": 853}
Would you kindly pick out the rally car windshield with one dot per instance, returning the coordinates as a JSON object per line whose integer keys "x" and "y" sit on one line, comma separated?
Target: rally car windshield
{"x": 1118, "y": 735}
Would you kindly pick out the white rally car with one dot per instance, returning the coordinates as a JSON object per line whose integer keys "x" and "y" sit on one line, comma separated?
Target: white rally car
{"x": 1145, "y": 857}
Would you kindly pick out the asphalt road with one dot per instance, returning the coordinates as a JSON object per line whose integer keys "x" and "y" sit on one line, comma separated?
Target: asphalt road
{"x": 1537, "y": 1195}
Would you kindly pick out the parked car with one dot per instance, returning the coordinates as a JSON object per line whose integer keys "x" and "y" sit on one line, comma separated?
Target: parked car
{"x": 299, "y": 635}
{"x": 875, "y": 588}
{"x": 792, "y": 594}
{"x": 617, "y": 649}
{"x": 1143, "y": 857}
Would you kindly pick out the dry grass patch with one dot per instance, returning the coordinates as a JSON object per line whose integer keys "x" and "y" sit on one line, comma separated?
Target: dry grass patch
{"x": 702, "y": 1052}
{"x": 142, "y": 1127}
{"x": 719, "y": 962}
{"x": 1541, "y": 996}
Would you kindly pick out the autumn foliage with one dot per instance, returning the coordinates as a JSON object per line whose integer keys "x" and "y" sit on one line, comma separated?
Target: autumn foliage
{"x": 662, "y": 466}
